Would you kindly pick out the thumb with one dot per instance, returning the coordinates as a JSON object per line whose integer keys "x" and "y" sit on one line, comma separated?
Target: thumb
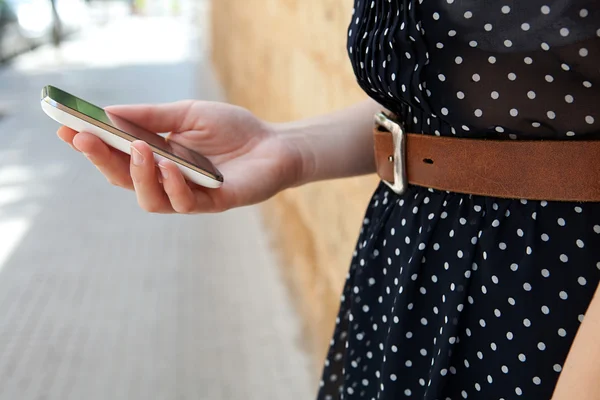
{"x": 158, "y": 118}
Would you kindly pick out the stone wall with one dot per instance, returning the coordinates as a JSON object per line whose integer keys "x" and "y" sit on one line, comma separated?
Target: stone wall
{"x": 286, "y": 59}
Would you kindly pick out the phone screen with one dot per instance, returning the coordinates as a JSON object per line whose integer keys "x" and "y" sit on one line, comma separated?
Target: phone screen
{"x": 137, "y": 132}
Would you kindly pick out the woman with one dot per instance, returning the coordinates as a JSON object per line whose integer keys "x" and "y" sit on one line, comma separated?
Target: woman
{"x": 473, "y": 293}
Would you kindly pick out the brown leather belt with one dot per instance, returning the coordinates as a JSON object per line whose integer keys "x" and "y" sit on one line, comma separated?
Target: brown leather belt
{"x": 555, "y": 170}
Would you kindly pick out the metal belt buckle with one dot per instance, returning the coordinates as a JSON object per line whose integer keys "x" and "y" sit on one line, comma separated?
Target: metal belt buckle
{"x": 384, "y": 122}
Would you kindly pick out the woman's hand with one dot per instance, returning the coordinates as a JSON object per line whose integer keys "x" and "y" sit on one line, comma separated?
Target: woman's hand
{"x": 255, "y": 161}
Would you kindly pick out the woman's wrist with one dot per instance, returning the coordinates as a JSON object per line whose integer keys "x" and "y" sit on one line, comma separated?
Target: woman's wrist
{"x": 332, "y": 146}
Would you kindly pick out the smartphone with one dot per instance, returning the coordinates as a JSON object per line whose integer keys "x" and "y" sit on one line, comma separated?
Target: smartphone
{"x": 117, "y": 132}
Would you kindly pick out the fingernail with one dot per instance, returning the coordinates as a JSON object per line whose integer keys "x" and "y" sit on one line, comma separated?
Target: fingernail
{"x": 163, "y": 171}
{"x": 138, "y": 158}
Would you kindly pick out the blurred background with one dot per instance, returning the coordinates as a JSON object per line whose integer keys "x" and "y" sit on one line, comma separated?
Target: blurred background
{"x": 100, "y": 300}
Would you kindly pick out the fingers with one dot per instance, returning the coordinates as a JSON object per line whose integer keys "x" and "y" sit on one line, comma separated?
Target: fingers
{"x": 180, "y": 194}
{"x": 159, "y": 118}
{"x": 150, "y": 194}
{"x": 67, "y": 135}
{"x": 113, "y": 164}
{"x": 185, "y": 199}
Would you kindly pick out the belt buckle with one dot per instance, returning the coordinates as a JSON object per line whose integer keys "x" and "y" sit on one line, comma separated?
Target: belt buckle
{"x": 385, "y": 122}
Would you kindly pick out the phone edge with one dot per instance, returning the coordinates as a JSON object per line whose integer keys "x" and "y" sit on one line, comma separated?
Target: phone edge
{"x": 45, "y": 96}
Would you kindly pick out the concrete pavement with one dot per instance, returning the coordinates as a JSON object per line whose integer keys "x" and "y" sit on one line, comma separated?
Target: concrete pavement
{"x": 99, "y": 300}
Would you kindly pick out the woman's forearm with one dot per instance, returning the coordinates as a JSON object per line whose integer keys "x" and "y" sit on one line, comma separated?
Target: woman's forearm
{"x": 335, "y": 145}
{"x": 580, "y": 377}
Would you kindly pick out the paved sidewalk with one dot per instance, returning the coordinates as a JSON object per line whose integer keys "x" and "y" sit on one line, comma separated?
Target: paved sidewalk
{"x": 99, "y": 300}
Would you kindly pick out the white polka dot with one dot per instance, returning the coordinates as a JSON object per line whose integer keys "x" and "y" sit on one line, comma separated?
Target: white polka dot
{"x": 444, "y": 111}
{"x": 423, "y": 321}
{"x": 569, "y": 98}
{"x": 564, "y": 258}
{"x": 531, "y": 94}
{"x": 580, "y": 243}
{"x": 545, "y": 46}
{"x": 564, "y": 32}
{"x": 545, "y": 310}
{"x": 520, "y": 232}
{"x": 511, "y": 301}
{"x": 528, "y": 60}
{"x": 583, "y": 52}
{"x": 482, "y": 323}
{"x": 460, "y": 95}
{"x": 393, "y": 377}
{"x": 508, "y": 43}
{"x": 473, "y": 43}
{"x": 537, "y": 380}
{"x": 541, "y": 346}
{"x": 489, "y": 379}
{"x": 561, "y": 222}
{"x": 492, "y": 60}
{"x": 518, "y": 391}
{"x": 527, "y": 286}
{"x": 505, "y": 9}
{"x": 468, "y": 14}
{"x": 549, "y": 78}
{"x": 545, "y": 237}
{"x": 565, "y": 67}
{"x": 582, "y": 281}
{"x": 587, "y": 84}
{"x": 551, "y": 114}
{"x": 557, "y": 367}
{"x": 536, "y": 124}
{"x": 589, "y": 119}
{"x": 497, "y": 313}
{"x": 514, "y": 112}
{"x": 436, "y": 16}
{"x": 441, "y": 77}
{"x": 478, "y": 113}
{"x": 525, "y": 26}
{"x": 527, "y": 322}
{"x": 545, "y": 10}
{"x": 583, "y": 13}
{"x": 545, "y": 273}
{"x": 505, "y": 369}
{"x": 512, "y": 76}
{"x": 488, "y": 27}
{"x": 458, "y": 60}
{"x": 562, "y": 332}
{"x": 495, "y": 95}
{"x": 476, "y": 77}
{"x": 451, "y": 33}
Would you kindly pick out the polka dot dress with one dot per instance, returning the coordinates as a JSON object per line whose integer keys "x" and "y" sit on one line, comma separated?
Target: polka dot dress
{"x": 453, "y": 296}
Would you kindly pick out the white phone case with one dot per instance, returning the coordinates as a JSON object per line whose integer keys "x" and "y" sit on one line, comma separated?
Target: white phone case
{"x": 119, "y": 143}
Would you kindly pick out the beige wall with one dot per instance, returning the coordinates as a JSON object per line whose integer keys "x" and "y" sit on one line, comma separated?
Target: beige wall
{"x": 286, "y": 59}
